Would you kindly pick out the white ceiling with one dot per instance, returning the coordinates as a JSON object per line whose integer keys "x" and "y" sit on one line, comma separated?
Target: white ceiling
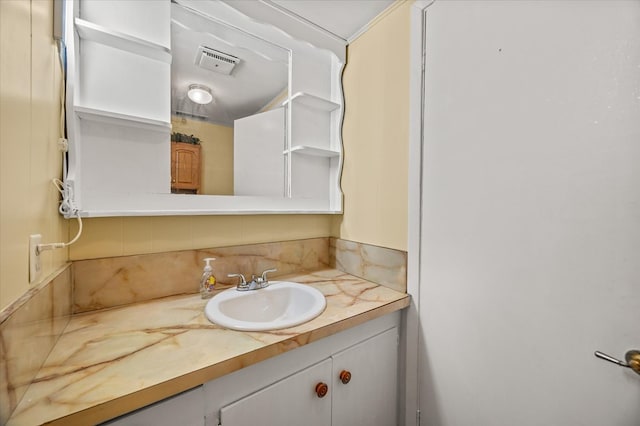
{"x": 344, "y": 18}
{"x": 261, "y": 75}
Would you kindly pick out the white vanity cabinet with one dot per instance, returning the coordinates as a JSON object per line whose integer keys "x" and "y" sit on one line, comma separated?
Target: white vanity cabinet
{"x": 287, "y": 390}
{"x": 357, "y": 386}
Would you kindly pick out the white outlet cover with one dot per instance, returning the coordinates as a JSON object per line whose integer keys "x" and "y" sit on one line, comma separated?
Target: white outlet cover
{"x": 35, "y": 264}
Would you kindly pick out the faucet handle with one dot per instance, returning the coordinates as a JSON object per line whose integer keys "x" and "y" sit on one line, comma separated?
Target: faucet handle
{"x": 264, "y": 274}
{"x": 243, "y": 281}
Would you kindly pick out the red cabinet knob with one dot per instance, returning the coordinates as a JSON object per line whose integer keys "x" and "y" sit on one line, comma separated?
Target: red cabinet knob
{"x": 345, "y": 376}
{"x": 322, "y": 389}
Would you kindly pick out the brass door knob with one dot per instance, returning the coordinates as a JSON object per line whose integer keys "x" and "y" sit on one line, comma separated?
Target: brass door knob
{"x": 322, "y": 389}
{"x": 632, "y": 358}
{"x": 345, "y": 376}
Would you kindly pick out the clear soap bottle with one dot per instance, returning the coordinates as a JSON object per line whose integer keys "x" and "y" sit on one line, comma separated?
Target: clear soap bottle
{"x": 207, "y": 281}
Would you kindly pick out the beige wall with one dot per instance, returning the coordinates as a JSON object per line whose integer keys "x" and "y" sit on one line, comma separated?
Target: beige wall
{"x": 216, "y": 151}
{"x": 375, "y": 134}
{"x": 29, "y": 159}
{"x": 119, "y": 236}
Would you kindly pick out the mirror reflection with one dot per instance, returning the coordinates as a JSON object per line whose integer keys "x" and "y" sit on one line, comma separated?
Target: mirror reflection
{"x": 228, "y": 125}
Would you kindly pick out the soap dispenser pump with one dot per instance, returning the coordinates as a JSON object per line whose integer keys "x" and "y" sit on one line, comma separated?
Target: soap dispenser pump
{"x": 208, "y": 281}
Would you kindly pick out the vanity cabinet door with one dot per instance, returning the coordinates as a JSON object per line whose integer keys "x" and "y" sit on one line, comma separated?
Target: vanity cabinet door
{"x": 295, "y": 400}
{"x": 370, "y": 370}
{"x": 185, "y": 409}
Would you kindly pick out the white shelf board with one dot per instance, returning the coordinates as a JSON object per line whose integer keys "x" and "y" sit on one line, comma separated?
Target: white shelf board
{"x": 312, "y": 101}
{"x": 94, "y": 32}
{"x": 145, "y": 204}
{"x": 316, "y": 152}
{"x": 121, "y": 119}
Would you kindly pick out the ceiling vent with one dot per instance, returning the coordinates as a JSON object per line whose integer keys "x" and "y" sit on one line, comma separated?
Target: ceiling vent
{"x": 216, "y": 61}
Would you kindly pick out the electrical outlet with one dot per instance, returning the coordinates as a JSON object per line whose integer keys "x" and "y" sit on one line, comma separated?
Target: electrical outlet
{"x": 35, "y": 263}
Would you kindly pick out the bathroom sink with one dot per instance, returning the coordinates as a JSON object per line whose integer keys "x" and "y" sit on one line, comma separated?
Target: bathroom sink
{"x": 283, "y": 304}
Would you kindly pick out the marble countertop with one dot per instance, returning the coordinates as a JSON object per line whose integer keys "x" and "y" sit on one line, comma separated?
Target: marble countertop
{"x": 110, "y": 362}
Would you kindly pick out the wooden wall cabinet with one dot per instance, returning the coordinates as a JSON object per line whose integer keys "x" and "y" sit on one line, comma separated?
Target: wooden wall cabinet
{"x": 185, "y": 168}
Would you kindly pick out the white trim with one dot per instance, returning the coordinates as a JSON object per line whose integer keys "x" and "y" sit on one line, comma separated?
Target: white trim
{"x": 411, "y": 328}
{"x": 336, "y": 200}
{"x": 304, "y": 20}
{"x": 71, "y": 41}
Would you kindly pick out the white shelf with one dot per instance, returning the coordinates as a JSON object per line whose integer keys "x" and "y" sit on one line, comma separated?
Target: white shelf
{"x": 111, "y": 117}
{"x": 310, "y": 150}
{"x": 312, "y": 101}
{"x": 90, "y": 31}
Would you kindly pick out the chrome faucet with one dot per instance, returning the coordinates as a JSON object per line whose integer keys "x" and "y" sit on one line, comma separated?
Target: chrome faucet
{"x": 242, "y": 284}
{"x": 256, "y": 283}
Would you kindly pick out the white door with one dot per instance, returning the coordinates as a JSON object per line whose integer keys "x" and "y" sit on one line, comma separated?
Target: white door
{"x": 530, "y": 239}
{"x": 295, "y": 400}
{"x": 365, "y": 382}
{"x": 258, "y": 160}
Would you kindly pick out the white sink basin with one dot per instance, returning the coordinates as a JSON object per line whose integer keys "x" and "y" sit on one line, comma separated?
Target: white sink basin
{"x": 283, "y": 304}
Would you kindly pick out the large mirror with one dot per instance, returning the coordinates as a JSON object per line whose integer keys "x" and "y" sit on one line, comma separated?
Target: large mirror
{"x": 227, "y": 91}
{"x": 251, "y": 97}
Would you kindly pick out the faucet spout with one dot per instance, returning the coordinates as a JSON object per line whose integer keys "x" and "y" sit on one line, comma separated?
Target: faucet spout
{"x": 242, "y": 283}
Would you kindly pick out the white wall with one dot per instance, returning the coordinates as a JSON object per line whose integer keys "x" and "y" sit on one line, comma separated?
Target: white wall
{"x": 531, "y": 213}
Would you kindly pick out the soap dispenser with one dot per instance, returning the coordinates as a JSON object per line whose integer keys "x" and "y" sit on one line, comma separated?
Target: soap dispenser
{"x": 208, "y": 281}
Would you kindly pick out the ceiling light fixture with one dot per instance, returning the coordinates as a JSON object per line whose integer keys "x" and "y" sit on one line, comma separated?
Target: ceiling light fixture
{"x": 200, "y": 94}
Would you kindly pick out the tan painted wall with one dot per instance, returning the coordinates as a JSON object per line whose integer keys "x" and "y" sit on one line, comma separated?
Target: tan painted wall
{"x": 376, "y": 134}
{"x": 119, "y": 236}
{"x": 216, "y": 151}
{"x": 29, "y": 130}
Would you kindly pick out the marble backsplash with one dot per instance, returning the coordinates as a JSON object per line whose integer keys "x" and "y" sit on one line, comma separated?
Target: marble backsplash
{"x": 116, "y": 281}
{"x": 381, "y": 265}
{"x": 30, "y": 326}
{"x": 29, "y": 329}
